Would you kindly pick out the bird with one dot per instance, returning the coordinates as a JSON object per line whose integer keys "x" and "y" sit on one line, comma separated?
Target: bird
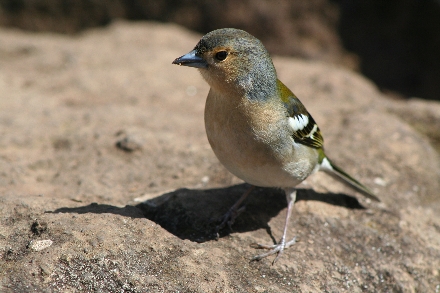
{"x": 258, "y": 129}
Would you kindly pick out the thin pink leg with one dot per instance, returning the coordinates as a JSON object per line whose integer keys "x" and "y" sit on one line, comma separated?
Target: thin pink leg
{"x": 279, "y": 248}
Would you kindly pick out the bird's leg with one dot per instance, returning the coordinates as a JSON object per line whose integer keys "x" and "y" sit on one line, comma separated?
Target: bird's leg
{"x": 233, "y": 212}
{"x": 279, "y": 248}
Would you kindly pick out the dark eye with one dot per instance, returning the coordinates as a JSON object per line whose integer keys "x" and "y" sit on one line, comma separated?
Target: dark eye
{"x": 220, "y": 56}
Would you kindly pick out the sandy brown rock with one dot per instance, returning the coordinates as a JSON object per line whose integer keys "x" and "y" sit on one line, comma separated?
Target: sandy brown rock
{"x": 67, "y": 104}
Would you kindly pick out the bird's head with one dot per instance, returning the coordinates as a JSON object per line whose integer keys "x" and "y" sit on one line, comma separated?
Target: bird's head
{"x": 232, "y": 59}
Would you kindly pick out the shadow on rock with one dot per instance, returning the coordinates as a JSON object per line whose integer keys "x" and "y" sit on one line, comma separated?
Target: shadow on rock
{"x": 194, "y": 214}
{"x": 94, "y": 208}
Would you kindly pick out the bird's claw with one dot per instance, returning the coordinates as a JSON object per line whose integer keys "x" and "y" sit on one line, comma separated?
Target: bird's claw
{"x": 229, "y": 219}
{"x": 273, "y": 249}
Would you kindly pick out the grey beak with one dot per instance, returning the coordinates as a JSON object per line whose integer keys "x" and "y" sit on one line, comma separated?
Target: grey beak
{"x": 191, "y": 60}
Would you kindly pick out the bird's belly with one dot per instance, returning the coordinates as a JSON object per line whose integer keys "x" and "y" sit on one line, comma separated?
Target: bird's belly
{"x": 270, "y": 174}
{"x": 246, "y": 153}
{"x": 255, "y": 165}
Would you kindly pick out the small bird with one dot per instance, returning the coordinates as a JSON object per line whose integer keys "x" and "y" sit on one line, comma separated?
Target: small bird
{"x": 258, "y": 129}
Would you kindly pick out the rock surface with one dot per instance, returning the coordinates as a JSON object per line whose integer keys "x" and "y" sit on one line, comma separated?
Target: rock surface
{"x": 103, "y": 155}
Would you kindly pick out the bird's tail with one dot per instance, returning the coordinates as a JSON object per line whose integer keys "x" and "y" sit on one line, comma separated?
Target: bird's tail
{"x": 332, "y": 169}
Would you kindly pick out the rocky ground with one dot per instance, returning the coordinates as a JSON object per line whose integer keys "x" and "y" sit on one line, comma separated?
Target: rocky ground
{"x": 108, "y": 184}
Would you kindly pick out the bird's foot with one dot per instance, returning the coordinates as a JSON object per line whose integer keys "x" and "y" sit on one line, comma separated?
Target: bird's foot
{"x": 233, "y": 213}
{"x": 273, "y": 249}
{"x": 229, "y": 218}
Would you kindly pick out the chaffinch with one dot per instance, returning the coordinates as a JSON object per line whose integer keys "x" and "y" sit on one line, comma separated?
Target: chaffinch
{"x": 256, "y": 126}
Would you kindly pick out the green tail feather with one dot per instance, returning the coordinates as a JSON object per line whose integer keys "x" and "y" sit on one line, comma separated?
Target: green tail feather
{"x": 335, "y": 170}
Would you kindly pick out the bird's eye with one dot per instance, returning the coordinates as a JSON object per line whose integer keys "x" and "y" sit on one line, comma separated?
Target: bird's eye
{"x": 220, "y": 56}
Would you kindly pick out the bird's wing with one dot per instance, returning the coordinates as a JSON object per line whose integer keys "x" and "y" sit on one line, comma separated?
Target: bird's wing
{"x": 305, "y": 129}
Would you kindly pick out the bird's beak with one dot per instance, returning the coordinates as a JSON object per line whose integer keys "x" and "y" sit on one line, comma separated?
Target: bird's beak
{"x": 191, "y": 60}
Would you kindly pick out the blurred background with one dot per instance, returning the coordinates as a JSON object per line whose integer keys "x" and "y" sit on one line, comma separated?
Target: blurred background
{"x": 396, "y": 43}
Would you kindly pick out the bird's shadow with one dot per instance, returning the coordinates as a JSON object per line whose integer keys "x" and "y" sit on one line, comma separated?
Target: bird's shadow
{"x": 194, "y": 214}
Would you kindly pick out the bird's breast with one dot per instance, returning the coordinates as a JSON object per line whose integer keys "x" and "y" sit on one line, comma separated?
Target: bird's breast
{"x": 252, "y": 141}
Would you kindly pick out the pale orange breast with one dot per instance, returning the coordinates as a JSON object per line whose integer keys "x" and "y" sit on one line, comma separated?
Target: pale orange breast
{"x": 251, "y": 141}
